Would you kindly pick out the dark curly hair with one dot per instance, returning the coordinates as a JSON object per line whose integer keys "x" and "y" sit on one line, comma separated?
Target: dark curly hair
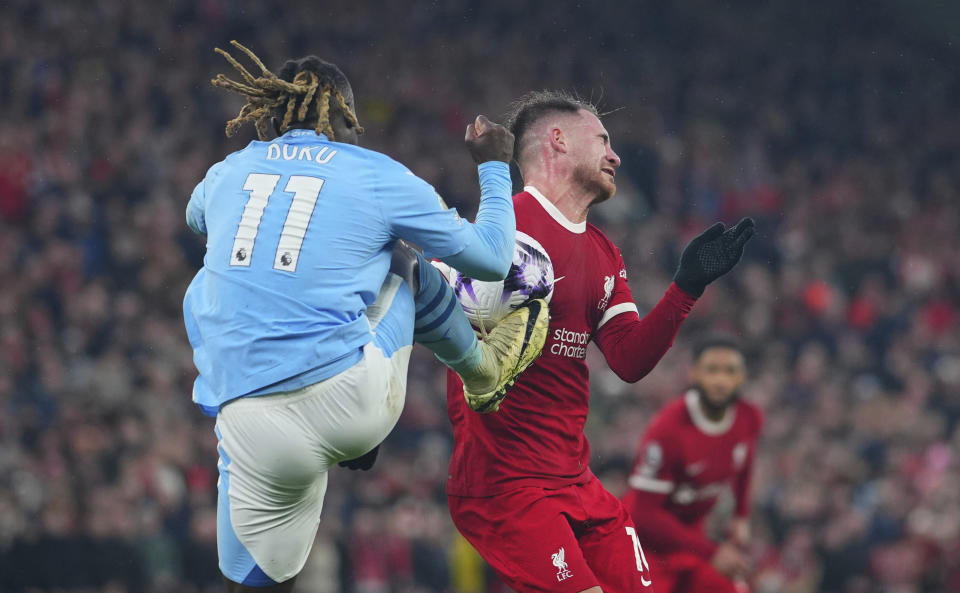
{"x": 725, "y": 341}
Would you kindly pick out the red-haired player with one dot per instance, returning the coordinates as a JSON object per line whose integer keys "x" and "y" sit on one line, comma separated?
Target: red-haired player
{"x": 520, "y": 488}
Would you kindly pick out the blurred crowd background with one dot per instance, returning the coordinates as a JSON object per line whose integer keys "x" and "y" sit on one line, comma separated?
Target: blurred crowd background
{"x": 835, "y": 125}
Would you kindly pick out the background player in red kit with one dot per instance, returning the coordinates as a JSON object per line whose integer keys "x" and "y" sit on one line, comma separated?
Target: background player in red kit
{"x": 520, "y": 488}
{"x": 695, "y": 448}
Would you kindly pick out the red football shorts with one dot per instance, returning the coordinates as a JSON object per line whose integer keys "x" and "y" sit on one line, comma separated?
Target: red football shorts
{"x": 558, "y": 541}
{"x": 688, "y": 573}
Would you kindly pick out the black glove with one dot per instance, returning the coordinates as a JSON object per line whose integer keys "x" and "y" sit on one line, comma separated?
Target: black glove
{"x": 364, "y": 462}
{"x": 712, "y": 254}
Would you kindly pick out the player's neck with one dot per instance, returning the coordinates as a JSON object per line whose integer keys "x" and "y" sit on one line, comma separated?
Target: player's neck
{"x": 566, "y": 196}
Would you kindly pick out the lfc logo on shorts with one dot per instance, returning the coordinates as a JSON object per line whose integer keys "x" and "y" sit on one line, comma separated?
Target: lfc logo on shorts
{"x": 563, "y": 573}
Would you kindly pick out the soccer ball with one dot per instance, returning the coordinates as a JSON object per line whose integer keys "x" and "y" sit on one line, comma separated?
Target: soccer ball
{"x": 486, "y": 303}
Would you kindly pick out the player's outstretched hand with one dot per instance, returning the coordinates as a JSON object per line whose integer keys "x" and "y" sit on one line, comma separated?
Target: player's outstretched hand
{"x": 364, "y": 462}
{"x": 489, "y": 141}
{"x": 712, "y": 254}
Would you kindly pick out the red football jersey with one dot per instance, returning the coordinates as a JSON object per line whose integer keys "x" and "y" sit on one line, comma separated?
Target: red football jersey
{"x": 685, "y": 461}
{"x": 536, "y": 438}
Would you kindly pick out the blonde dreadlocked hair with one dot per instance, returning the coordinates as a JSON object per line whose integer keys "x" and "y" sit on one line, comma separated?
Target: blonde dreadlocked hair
{"x": 301, "y": 94}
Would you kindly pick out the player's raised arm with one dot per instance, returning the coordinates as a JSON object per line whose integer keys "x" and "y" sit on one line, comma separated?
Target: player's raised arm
{"x": 481, "y": 250}
{"x": 491, "y": 146}
{"x": 633, "y": 346}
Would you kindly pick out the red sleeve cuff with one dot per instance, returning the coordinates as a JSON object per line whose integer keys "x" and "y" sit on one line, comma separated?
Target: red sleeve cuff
{"x": 680, "y": 297}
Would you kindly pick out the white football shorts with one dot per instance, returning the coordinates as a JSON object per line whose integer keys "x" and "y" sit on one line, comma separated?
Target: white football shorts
{"x": 275, "y": 450}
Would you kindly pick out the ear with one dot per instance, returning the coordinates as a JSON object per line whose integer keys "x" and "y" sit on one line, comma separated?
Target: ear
{"x": 342, "y": 129}
{"x": 557, "y": 140}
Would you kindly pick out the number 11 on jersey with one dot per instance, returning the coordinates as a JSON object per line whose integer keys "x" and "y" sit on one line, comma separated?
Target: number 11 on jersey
{"x": 261, "y": 186}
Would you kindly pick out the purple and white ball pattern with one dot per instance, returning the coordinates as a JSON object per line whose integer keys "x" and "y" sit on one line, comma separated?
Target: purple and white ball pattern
{"x": 530, "y": 277}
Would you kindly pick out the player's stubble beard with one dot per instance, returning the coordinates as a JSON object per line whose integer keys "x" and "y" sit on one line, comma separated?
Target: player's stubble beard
{"x": 716, "y": 409}
{"x": 593, "y": 183}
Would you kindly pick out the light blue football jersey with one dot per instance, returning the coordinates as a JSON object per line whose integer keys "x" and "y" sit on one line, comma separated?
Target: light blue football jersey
{"x": 299, "y": 238}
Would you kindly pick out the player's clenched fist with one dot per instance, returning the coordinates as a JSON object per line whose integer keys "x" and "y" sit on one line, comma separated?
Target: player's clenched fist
{"x": 489, "y": 141}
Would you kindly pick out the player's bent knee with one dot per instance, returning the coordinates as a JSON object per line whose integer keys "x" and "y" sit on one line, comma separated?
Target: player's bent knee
{"x": 405, "y": 264}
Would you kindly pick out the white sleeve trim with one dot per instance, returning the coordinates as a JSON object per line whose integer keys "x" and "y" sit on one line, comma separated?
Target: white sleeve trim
{"x": 616, "y": 310}
{"x": 638, "y": 482}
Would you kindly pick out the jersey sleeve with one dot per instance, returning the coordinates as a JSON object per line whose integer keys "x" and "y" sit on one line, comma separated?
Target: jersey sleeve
{"x": 196, "y": 218}
{"x": 633, "y": 346}
{"x": 656, "y": 472}
{"x": 621, "y": 299}
{"x": 417, "y": 213}
{"x": 741, "y": 484}
{"x": 655, "y": 468}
